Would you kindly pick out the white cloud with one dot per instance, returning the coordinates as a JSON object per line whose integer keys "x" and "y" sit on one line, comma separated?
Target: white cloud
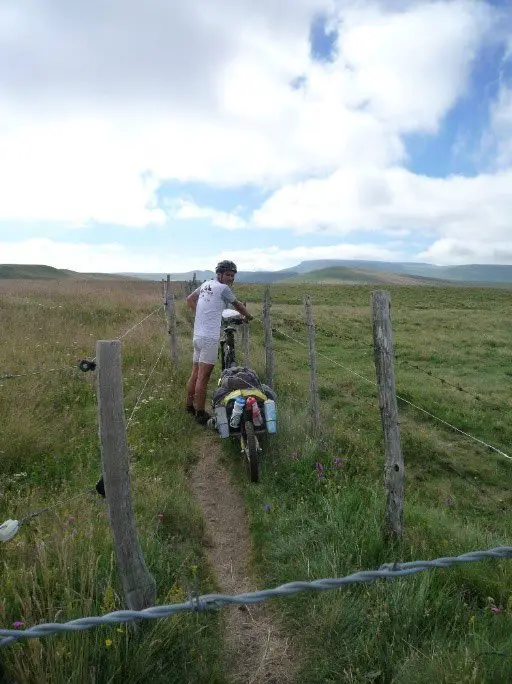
{"x": 411, "y": 66}
{"x": 456, "y": 211}
{"x": 452, "y": 251}
{"x": 185, "y": 209}
{"x": 501, "y": 126}
{"x": 85, "y": 258}
{"x": 105, "y": 93}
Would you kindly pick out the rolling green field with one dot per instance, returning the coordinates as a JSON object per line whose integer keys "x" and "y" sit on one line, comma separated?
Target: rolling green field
{"x": 318, "y": 511}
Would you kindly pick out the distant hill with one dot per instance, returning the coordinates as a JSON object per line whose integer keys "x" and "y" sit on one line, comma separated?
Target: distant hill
{"x": 242, "y": 276}
{"x": 318, "y": 270}
{"x": 40, "y": 272}
{"x": 343, "y": 274}
{"x": 360, "y": 270}
{"x": 482, "y": 273}
{"x": 188, "y": 275}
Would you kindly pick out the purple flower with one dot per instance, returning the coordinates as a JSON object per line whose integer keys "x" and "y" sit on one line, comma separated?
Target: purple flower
{"x": 495, "y": 610}
{"x": 449, "y": 502}
{"x": 339, "y": 462}
{"x": 266, "y": 507}
{"x": 320, "y": 470}
{"x": 294, "y": 456}
{"x": 17, "y": 624}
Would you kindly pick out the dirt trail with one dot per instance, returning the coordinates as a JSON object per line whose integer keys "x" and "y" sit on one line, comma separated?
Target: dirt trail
{"x": 258, "y": 652}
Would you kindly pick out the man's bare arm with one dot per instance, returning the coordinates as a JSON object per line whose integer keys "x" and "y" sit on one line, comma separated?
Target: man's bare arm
{"x": 192, "y": 300}
{"x": 242, "y": 310}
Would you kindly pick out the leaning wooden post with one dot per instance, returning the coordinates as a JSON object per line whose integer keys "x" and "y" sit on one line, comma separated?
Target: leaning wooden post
{"x": 245, "y": 342}
{"x": 170, "y": 311}
{"x": 394, "y": 469}
{"x": 313, "y": 386}
{"x": 269, "y": 344}
{"x": 138, "y": 584}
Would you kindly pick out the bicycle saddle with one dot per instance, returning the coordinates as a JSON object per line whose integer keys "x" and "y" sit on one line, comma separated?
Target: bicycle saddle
{"x": 231, "y": 316}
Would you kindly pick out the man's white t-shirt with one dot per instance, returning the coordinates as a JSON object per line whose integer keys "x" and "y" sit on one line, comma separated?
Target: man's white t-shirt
{"x": 213, "y": 299}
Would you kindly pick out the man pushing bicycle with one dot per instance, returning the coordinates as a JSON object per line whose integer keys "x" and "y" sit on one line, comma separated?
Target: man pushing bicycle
{"x": 208, "y": 302}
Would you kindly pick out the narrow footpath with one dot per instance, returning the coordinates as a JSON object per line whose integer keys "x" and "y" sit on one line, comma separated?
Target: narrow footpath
{"x": 258, "y": 651}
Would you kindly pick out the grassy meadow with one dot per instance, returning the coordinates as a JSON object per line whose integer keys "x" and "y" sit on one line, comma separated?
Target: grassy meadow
{"x": 317, "y": 512}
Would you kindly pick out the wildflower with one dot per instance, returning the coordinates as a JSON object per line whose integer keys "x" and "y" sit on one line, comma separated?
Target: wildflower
{"x": 294, "y": 456}
{"x": 320, "y": 470}
{"x": 266, "y": 507}
{"x": 160, "y": 516}
{"x": 449, "y": 502}
{"x": 71, "y": 518}
{"x": 18, "y": 623}
{"x": 495, "y": 610}
{"x": 108, "y": 643}
{"x": 339, "y": 462}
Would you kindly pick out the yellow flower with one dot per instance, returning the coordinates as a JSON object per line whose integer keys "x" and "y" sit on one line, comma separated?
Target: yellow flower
{"x": 108, "y": 643}
{"x": 108, "y": 605}
{"x": 176, "y": 594}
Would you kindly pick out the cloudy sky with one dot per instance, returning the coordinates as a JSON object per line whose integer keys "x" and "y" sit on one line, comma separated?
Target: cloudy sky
{"x": 163, "y": 135}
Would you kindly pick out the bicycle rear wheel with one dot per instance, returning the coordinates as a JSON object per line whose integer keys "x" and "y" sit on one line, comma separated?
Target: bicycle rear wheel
{"x": 251, "y": 451}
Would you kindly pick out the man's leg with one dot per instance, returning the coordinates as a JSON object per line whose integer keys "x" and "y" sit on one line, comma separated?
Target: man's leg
{"x": 203, "y": 377}
{"x": 191, "y": 387}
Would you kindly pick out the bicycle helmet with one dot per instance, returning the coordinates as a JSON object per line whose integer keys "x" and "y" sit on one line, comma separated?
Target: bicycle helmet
{"x": 224, "y": 266}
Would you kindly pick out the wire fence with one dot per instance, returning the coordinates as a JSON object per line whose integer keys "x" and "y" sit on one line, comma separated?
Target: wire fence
{"x": 215, "y": 601}
{"x": 400, "y": 398}
{"x": 15, "y": 525}
{"x": 42, "y": 371}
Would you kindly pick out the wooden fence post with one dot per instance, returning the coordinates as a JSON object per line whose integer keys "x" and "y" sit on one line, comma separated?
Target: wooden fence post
{"x": 394, "y": 469}
{"x": 313, "y": 386}
{"x": 269, "y": 344}
{"x": 138, "y": 584}
{"x": 170, "y": 311}
{"x": 245, "y": 343}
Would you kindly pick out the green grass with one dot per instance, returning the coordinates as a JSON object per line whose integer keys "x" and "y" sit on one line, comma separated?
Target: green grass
{"x": 457, "y": 493}
{"x": 61, "y": 564}
{"x": 436, "y": 625}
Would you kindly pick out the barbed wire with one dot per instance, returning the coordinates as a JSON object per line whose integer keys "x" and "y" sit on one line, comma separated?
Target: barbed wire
{"x": 54, "y": 506}
{"x": 444, "y": 381}
{"x": 9, "y": 376}
{"x": 215, "y": 601}
{"x": 397, "y": 356}
{"x": 406, "y": 401}
{"x": 145, "y": 385}
{"x": 121, "y": 337}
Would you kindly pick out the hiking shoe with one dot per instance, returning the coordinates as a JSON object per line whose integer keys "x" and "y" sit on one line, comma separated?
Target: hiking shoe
{"x": 190, "y": 409}
{"x": 202, "y": 417}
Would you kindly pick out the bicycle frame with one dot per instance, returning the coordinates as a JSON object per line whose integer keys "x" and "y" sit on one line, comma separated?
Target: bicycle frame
{"x": 227, "y": 340}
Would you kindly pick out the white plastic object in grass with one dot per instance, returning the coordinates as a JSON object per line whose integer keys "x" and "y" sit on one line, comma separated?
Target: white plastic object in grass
{"x": 8, "y": 529}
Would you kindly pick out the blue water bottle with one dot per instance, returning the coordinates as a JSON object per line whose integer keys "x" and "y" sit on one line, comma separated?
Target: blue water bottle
{"x": 238, "y": 409}
{"x": 270, "y": 411}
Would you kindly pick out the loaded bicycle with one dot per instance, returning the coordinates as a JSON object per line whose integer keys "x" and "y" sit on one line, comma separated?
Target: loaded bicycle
{"x": 244, "y": 407}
